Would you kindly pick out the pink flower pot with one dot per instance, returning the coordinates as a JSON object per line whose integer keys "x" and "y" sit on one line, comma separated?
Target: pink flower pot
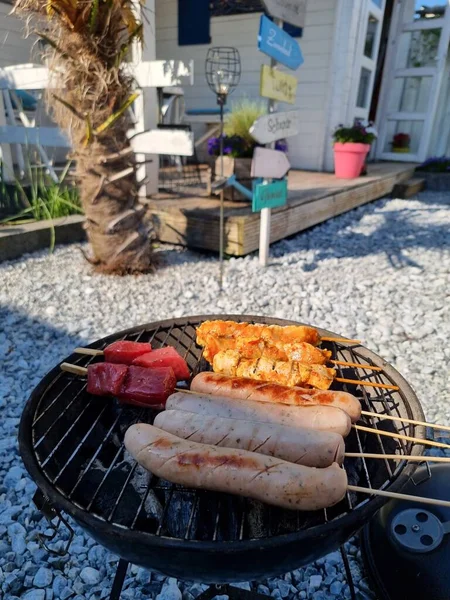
{"x": 349, "y": 159}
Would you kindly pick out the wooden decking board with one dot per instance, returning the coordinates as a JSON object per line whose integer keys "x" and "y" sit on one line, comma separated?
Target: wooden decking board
{"x": 313, "y": 198}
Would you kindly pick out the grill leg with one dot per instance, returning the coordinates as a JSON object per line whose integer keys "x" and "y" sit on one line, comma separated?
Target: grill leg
{"x": 119, "y": 578}
{"x": 348, "y": 573}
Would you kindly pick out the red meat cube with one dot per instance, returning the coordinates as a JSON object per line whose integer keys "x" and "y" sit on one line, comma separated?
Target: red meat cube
{"x": 124, "y": 352}
{"x": 165, "y": 357}
{"x": 148, "y": 387}
{"x": 106, "y": 379}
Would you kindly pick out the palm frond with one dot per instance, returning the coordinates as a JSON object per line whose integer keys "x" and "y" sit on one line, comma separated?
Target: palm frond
{"x": 115, "y": 116}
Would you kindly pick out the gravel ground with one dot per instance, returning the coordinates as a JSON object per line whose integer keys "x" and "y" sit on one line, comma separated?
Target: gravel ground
{"x": 379, "y": 273}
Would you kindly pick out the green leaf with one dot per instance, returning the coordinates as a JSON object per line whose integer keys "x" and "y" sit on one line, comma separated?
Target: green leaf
{"x": 69, "y": 106}
{"x": 53, "y": 44}
{"x": 93, "y": 16}
{"x": 115, "y": 116}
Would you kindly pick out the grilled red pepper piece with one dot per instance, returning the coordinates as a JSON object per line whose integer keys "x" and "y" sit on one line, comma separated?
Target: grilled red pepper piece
{"x": 148, "y": 387}
{"x": 124, "y": 352}
{"x": 106, "y": 379}
{"x": 165, "y": 357}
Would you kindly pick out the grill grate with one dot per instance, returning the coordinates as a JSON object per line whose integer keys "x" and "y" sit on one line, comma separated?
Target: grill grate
{"x": 78, "y": 443}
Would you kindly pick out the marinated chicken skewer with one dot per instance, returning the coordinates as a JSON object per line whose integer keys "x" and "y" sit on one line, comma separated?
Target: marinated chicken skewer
{"x": 251, "y": 344}
{"x": 291, "y": 373}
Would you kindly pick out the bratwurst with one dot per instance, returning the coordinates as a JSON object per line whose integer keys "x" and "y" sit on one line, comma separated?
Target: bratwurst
{"x": 324, "y": 418}
{"x": 301, "y": 446}
{"x": 249, "y": 389}
{"x": 263, "y": 478}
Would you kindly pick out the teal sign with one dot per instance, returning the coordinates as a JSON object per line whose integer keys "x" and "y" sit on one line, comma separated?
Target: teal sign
{"x": 269, "y": 195}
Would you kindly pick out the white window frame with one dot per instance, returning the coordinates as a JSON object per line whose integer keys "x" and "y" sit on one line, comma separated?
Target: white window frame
{"x": 383, "y": 116}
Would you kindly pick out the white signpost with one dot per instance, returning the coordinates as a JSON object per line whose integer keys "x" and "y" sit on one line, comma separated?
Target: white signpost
{"x": 292, "y": 11}
{"x": 277, "y": 86}
{"x": 268, "y": 163}
{"x": 275, "y": 126}
{"x": 178, "y": 142}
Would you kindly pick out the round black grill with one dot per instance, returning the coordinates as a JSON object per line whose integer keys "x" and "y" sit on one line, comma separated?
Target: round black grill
{"x": 72, "y": 445}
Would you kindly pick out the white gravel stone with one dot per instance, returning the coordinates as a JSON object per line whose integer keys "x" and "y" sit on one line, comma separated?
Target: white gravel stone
{"x": 379, "y": 273}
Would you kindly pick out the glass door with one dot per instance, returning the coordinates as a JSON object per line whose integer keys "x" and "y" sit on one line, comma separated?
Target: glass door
{"x": 371, "y": 20}
{"x": 415, "y": 65}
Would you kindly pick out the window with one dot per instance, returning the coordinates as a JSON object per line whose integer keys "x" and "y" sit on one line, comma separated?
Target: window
{"x": 193, "y": 22}
{"x": 363, "y": 89}
{"x": 371, "y": 33}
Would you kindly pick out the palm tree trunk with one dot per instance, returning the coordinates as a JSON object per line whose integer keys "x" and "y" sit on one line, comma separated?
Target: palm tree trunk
{"x": 115, "y": 223}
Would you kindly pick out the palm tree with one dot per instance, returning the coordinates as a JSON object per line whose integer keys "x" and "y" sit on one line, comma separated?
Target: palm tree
{"x": 87, "y": 44}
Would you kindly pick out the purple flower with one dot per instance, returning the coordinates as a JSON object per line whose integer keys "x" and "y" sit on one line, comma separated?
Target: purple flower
{"x": 281, "y": 145}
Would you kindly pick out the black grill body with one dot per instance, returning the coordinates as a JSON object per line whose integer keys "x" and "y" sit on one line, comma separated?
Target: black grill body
{"x": 72, "y": 446}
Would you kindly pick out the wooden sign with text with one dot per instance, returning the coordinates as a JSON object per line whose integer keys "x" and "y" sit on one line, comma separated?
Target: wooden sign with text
{"x": 277, "y": 85}
{"x": 291, "y": 11}
{"x": 268, "y": 163}
{"x": 275, "y": 126}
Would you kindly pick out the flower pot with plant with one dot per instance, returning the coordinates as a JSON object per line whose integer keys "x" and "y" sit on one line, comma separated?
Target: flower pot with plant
{"x": 238, "y": 146}
{"x": 400, "y": 142}
{"x": 351, "y": 146}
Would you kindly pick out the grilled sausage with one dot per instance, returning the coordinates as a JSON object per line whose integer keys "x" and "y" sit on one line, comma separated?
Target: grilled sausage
{"x": 301, "y": 446}
{"x": 324, "y": 418}
{"x": 263, "y": 478}
{"x": 249, "y": 389}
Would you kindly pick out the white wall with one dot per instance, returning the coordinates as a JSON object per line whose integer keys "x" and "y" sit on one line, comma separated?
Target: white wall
{"x": 14, "y": 48}
{"x": 241, "y": 31}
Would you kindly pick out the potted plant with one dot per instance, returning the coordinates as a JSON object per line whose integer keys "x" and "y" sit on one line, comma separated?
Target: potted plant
{"x": 436, "y": 172}
{"x": 400, "y": 142}
{"x": 351, "y": 146}
{"x": 238, "y": 146}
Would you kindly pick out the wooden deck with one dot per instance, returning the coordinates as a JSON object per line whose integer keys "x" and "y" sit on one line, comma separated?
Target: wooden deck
{"x": 313, "y": 198}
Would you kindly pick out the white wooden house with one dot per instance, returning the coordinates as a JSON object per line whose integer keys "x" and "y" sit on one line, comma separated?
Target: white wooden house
{"x": 384, "y": 60}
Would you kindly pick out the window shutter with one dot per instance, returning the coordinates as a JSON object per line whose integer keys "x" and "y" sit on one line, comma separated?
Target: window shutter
{"x": 193, "y": 22}
{"x": 292, "y": 30}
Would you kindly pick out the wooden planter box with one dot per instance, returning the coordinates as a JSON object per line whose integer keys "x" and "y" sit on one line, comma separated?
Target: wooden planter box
{"x": 240, "y": 167}
{"x": 436, "y": 182}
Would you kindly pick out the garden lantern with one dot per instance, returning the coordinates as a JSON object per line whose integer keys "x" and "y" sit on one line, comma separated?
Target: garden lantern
{"x": 222, "y": 72}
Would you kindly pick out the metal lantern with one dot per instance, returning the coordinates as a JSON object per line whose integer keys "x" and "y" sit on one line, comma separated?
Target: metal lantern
{"x": 223, "y": 72}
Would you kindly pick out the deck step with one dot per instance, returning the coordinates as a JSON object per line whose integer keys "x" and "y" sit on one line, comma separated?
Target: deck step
{"x": 409, "y": 188}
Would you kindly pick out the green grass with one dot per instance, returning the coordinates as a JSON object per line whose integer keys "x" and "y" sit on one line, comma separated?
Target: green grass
{"x": 242, "y": 116}
{"x": 41, "y": 199}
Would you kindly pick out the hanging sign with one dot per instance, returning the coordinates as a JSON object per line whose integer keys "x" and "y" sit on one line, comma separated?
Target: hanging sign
{"x": 292, "y": 11}
{"x": 276, "y": 43}
{"x": 268, "y": 163}
{"x": 269, "y": 195}
{"x": 177, "y": 142}
{"x": 277, "y": 85}
{"x": 275, "y": 126}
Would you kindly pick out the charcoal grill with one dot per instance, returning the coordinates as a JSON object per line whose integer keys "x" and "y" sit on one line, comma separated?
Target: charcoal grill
{"x": 72, "y": 446}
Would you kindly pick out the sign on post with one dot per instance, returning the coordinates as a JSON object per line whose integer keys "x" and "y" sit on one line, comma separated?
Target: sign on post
{"x": 275, "y": 126}
{"x": 276, "y": 43}
{"x": 178, "y": 142}
{"x": 277, "y": 85}
{"x": 268, "y": 163}
{"x": 292, "y": 11}
{"x": 269, "y": 195}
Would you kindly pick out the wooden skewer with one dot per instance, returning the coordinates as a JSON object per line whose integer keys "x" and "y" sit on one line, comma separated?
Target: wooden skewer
{"x": 399, "y": 457}
{"x": 89, "y": 351}
{"x": 95, "y": 352}
{"x": 384, "y": 386}
{"x": 397, "y": 496}
{"x": 75, "y": 369}
{"x": 353, "y": 364}
{"x": 400, "y": 436}
{"x": 405, "y": 420}
{"x": 340, "y": 340}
